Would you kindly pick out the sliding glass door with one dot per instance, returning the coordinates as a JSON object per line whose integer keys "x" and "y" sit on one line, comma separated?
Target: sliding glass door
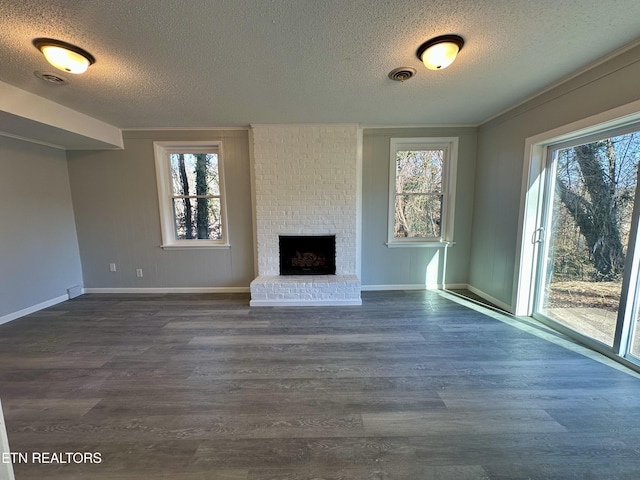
{"x": 587, "y": 237}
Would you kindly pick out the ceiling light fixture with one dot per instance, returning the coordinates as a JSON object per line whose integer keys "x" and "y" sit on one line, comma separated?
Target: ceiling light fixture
{"x": 440, "y": 52}
{"x": 63, "y": 55}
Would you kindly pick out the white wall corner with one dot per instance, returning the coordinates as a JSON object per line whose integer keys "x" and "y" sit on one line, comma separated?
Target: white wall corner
{"x": 254, "y": 229}
{"x": 359, "y": 226}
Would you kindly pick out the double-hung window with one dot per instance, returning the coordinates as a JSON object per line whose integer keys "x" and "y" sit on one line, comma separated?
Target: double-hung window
{"x": 422, "y": 178}
{"x": 191, "y": 194}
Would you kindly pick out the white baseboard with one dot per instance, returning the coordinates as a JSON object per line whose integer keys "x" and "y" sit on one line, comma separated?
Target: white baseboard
{"x": 170, "y": 290}
{"x": 456, "y": 286}
{"x": 304, "y": 303}
{"x": 489, "y": 298}
{"x": 439, "y": 286}
{"x": 35, "y": 308}
{"x": 373, "y": 288}
{"x": 412, "y": 286}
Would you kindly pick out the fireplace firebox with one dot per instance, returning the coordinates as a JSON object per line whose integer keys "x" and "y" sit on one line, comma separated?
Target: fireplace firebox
{"x": 308, "y": 255}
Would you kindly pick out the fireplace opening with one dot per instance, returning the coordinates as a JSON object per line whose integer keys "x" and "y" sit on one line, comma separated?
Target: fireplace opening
{"x": 308, "y": 255}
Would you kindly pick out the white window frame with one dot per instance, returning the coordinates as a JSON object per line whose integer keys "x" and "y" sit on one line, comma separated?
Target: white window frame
{"x": 449, "y": 174}
{"x": 162, "y": 151}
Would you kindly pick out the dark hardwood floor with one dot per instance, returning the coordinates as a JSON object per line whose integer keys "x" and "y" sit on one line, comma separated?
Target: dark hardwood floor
{"x": 411, "y": 385}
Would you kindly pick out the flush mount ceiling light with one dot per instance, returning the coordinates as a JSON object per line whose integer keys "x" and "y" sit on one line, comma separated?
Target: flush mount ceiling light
{"x": 63, "y": 55}
{"x": 440, "y": 52}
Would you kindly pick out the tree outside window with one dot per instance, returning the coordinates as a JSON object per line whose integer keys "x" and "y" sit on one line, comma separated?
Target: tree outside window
{"x": 191, "y": 194}
{"x": 418, "y": 203}
{"x": 196, "y": 196}
{"x": 422, "y": 183}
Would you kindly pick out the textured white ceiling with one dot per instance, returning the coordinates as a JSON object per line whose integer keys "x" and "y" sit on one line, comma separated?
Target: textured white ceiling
{"x": 202, "y": 63}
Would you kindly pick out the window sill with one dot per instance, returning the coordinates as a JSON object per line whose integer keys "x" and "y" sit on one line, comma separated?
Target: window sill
{"x": 419, "y": 244}
{"x": 198, "y": 246}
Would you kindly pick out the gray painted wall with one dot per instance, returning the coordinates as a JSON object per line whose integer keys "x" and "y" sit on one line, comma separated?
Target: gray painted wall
{"x": 382, "y": 265}
{"x": 39, "y": 257}
{"x": 115, "y": 198}
{"x": 499, "y": 165}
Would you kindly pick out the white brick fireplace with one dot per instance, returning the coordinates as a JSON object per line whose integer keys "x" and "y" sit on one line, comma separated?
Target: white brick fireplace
{"x": 306, "y": 183}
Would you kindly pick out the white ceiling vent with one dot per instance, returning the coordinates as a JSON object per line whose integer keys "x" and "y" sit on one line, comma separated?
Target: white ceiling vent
{"x": 51, "y": 78}
{"x": 402, "y": 73}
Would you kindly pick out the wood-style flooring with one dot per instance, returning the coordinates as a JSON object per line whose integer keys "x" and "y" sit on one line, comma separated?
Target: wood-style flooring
{"x": 408, "y": 386}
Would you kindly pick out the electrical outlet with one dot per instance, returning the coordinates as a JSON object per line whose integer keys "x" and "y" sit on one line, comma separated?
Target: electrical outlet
{"x": 112, "y": 267}
{"x": 139, "y": 272}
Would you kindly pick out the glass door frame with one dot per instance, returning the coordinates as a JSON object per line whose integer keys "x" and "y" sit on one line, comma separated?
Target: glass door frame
{"x": 627, "y": 308}
{"x": 630, "y": 295}
{"x": 536, "y": 180}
